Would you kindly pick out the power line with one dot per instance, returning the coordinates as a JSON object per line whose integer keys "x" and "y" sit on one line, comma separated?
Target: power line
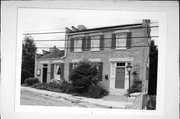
{"x": 58, "y": 32}
{"x": 96, "y": 47}
{"x": 95, "y": 39}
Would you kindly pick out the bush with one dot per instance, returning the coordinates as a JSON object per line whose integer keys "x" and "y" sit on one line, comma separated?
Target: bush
{"x": 42, "y": 86}
{"x": 56, "y": 87}
{"x": 83, "y": 76}
{"x": 137, "y": 86}
{"x": 31, "y": 81}
{"x": 96, "y": 91}
{"x": 66, "y": 87}
{"x": 151, "y": 102}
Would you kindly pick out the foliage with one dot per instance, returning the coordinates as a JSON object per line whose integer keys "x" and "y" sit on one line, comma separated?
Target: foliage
{"x": 31, "y": 81}
{"x": 83, "y": 82}
{"x": 66, "y": 87}
{"x": 153, "y": 69}
{"x": 56, "y": 87}
{"x": 83, "y": 76}
{"x": 151, "y": 102}
{"x": 96, "y": 91}
{"x": 28, "y": 58}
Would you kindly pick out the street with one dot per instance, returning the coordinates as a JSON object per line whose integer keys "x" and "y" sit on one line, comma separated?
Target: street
{"x": 31, "y": 98}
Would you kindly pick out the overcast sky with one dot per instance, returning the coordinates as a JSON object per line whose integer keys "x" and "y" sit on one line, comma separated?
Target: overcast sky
{"x": 52, "y": 20}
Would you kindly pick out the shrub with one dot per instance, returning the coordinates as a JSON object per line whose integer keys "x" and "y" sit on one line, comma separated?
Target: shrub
{"x": 56, "y": 87}
{"x": 137, "y": 86}
{"x": 83, "y": 76}
{"x": 31, "y": 81}
{"x": 42, "y": 86}
{"x": 96, "y": 91}
{"x": 66, "y": 87}
{"x": 151, "y": 102}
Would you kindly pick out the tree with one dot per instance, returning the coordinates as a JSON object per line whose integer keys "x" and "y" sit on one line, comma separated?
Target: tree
{"x": 83, "y": 76}
{"x": 153, "y": 69}
{"x": 28, "y": 58}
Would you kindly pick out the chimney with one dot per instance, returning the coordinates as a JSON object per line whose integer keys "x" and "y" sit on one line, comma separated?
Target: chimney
{"x": 68, "y": 30}
{"x": 147, "y": 28}
{"x": 52, "y": 49}
{"x": 146, "y": 22}
{"x": 74, "y": 28}
{"x": 81, "y": 27}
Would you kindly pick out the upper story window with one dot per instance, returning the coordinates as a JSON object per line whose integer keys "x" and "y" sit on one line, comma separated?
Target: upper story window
{"x": 78, "y": 44}
{"x": 95, "y": 43}
{"x": 87, "y": 43}
{"x": 121, "y": 40}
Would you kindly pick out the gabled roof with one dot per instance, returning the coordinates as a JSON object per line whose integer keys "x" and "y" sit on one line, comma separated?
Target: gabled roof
{"x": 54, "y": 54}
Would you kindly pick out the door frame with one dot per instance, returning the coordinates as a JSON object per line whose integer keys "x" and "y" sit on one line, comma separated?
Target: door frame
{"x": 113, "y": 66}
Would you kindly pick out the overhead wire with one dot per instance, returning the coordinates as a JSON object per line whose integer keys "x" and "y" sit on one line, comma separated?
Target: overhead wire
{"x": 58, "y": 32}
{"x": 91, "y": 39}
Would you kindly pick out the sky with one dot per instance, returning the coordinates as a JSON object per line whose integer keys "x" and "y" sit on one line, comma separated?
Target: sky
{"x": 55, "y": 20}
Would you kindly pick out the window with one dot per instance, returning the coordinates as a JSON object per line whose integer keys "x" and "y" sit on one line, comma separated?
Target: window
{"x": 95, "y": 43}
{"x": 77, "y": 44}
{"x": 120, "y": 64}
{"x": 99, "y": 67}
{"x": 121, "y": 39}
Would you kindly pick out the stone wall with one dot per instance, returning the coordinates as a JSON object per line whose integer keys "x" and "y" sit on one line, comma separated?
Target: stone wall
{"x": 135, "y": 100}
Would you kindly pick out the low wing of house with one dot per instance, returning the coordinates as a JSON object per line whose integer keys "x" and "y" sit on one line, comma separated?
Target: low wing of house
{"x": 50, "y": 65}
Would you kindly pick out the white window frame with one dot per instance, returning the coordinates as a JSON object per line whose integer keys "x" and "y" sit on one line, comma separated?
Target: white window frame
{"x": 78, "y": 47}
{"x": 121, "y": 38}
{"x": 95, "y": 41}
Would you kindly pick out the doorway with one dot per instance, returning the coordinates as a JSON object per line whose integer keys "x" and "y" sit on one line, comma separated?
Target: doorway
{"x": 45, "y": 73}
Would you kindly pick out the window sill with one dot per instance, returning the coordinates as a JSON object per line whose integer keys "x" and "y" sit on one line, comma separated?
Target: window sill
{"x": 77, "y": 51}
{"x": 95, "y": 50}
{"x": 121, "y": 49}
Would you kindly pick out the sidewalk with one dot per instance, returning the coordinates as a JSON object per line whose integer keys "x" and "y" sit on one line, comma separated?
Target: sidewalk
{"x": 110, "y": 101}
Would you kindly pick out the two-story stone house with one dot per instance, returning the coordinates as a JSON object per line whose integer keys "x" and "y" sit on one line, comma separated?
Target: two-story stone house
{"x": 112, "y": 48}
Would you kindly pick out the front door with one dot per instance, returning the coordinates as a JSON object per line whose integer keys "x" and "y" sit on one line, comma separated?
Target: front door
{"x": 45, "y": 73}
{"x": 120, "y": 77}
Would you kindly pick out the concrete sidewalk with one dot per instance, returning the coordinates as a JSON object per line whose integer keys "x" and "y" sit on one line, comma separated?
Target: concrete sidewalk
{"x": 110, "y": 101}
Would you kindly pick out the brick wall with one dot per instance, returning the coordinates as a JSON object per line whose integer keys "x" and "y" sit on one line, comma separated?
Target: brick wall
{"x": 139, "y": 54}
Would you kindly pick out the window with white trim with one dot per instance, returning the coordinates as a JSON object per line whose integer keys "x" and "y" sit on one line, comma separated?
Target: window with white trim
{"x": 95, "y": 43}
{"x": 78, "y": 44}
{"x": 121, "y": 40}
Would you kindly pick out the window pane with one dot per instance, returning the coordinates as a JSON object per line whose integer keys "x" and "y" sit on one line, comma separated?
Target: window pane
{"x": 120, "y": 40}
{"x": 78, "y": 44}
{"x": 95, "y": 41}
{"x": 120, "y": 64}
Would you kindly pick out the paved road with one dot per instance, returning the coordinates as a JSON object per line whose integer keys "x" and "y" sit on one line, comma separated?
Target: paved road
{"x": 31, "y": 98}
